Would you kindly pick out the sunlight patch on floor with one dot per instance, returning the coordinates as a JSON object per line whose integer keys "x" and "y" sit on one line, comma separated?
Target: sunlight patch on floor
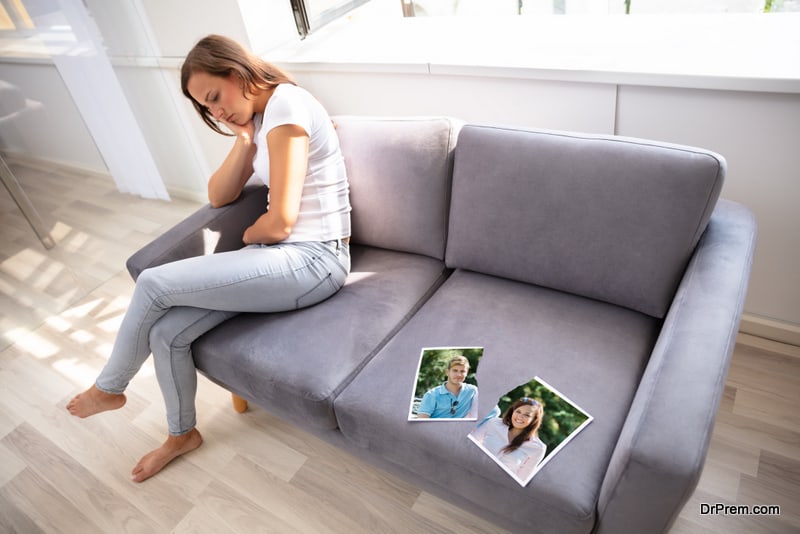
{"x": 32, "y": 343}
{"x": 76, "y": 371}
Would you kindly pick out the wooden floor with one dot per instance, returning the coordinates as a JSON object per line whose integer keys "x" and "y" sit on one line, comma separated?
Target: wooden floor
{"x": 59, "y": 311}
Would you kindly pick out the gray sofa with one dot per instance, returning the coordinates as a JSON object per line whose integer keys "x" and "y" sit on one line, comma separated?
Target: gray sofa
{"x": 605, "y": 265}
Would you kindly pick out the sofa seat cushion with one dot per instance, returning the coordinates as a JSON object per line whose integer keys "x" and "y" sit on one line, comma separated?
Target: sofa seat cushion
{"x": 592, "y": 352}
{"x": 294, "y": 363}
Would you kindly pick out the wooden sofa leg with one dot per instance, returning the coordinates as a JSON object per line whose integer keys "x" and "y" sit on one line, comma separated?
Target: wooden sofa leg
{"x": 239, "y": 404}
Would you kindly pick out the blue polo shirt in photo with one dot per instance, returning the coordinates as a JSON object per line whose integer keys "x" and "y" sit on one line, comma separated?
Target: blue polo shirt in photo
{"x": 439, "y": 403}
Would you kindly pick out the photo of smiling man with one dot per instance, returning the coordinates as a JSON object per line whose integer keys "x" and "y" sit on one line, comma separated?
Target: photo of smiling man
{"x": 457, "y": 396}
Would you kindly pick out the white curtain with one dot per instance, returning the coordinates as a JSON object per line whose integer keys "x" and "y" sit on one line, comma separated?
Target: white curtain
{"x": 87, "y": 72}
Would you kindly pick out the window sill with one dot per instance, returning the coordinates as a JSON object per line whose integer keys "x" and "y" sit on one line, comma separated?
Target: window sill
{"x": 729, "y": 52}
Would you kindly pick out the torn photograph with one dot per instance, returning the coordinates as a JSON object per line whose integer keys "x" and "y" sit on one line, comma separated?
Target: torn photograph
{"x": 527, "y": 426}
{"x": 445, "y": 386}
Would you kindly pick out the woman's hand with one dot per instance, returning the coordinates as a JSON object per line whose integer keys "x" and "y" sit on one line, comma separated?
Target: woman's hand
{"x": 247, "y": 130}
{"x": 226, "y": 184}
{"x": 248, "y": 238}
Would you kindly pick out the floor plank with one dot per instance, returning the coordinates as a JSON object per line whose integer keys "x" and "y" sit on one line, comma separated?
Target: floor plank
{"x": 31, "y": 504}
{"x": 85, "y": 492}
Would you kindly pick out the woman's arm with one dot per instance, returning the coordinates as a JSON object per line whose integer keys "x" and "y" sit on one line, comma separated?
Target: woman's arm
{"x": 288, "y": 162}
{"x": 226, "y": 184}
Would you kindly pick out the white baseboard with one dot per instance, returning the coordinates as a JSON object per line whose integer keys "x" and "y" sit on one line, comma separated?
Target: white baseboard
{"x": 51, "y": 165}
{"x": 762, "y": 327}
{"x": 185, "y": 194}
{"x": 56, "y": 166}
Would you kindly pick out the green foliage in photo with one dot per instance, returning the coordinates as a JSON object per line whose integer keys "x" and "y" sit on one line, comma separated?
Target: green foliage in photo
{"x": 434, "y": 365}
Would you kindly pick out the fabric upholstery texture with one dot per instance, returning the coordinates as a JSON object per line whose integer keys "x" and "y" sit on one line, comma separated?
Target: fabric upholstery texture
{"x": 399, "y": 172}
{"x": 593, "y": 352}
{"x": 296, "y": 362}
{"x": 681, "y": 389}
{"x": 593, "y": 262}
{"x": 205, "y": 231}
{"x": 613, "y": 219}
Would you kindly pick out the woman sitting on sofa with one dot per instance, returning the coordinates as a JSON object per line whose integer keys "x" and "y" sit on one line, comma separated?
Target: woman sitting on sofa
{"x": 296, "y": 253}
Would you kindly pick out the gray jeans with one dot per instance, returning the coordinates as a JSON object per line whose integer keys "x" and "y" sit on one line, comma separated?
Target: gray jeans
{"x": 175, "y": 303}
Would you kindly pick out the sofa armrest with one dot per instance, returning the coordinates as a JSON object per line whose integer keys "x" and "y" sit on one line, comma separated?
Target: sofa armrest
{"x": 659, "y": 457}
{"x": 206, "y": 231}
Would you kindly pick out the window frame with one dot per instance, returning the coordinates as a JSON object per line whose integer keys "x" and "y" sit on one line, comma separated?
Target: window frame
{"x": 307, "y": 21}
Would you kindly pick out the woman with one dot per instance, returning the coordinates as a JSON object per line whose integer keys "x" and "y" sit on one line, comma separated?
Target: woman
{"x": 296, "y": 253}
{"x": 513, "y": 439}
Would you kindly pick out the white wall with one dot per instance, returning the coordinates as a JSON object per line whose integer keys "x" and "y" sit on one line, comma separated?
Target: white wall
{"x": 756, "y": 131}
{"x": 54, "y": 131}
{"x": 146, "y": 41}
{"x": 510, "y": 101}
{"x": 178, "y": 24}
{"x": 758, "y": 134}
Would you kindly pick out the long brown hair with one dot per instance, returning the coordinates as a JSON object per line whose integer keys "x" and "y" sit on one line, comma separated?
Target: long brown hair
{"x": 529, "y": 430}
{"x": 221, "y": 56}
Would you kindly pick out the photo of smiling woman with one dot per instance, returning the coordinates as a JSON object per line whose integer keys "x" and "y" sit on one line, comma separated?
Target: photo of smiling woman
{"x": 528, "y": 425}
{"x": 513, "y": 439}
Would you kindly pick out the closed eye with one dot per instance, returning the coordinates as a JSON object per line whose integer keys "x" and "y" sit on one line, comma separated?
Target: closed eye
{"x": 211, "y": 98}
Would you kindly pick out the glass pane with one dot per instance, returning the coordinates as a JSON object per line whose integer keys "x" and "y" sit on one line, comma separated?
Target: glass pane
{"x": 321, "y": 12}
{"x": 425, "y": 8}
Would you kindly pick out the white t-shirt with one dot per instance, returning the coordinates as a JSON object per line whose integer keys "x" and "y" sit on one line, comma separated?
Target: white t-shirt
{"x": 493, "y": 435}
{"x": 325, "y": 203}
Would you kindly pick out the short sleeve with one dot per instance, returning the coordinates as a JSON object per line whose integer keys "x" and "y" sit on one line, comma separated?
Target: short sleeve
{"x": 288, "y": 106}
{"x": 428, "y": 404}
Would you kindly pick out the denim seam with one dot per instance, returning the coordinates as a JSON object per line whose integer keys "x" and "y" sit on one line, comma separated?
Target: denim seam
{"x": 175, "y": 378}
{"x": 313, "y": 261}
{"x": 157, "y": 300}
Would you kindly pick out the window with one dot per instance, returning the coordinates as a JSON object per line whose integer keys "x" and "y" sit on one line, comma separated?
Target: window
{"x": 14, "y": 16}
{"x": 419, "y": 8}
{"x": 310, "y": 15}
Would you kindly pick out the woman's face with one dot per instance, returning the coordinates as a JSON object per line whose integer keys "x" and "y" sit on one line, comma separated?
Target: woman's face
{"x": 522, "y": 416}
{"x": 222, "y": 96}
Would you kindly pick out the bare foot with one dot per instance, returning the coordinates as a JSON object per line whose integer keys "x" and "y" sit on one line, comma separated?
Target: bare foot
{"x": 93, "y": 401}
{"x": 154, "y": 461}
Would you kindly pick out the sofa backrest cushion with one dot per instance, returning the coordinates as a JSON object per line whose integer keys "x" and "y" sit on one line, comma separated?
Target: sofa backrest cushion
{"x": 399, "y": 171}
{"x": 610, "y": 218}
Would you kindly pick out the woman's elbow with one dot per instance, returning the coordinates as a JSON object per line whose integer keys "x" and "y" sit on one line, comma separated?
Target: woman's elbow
{"x": 273, "y": 231}
{"x": 283, "y": 233}
{"x": 283, "y": 225}
{"x": 217, "y": 201}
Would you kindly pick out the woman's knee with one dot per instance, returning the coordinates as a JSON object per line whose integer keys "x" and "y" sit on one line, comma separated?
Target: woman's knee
{"x": 150, "y": 280}
{"x": 161, "y": 336}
